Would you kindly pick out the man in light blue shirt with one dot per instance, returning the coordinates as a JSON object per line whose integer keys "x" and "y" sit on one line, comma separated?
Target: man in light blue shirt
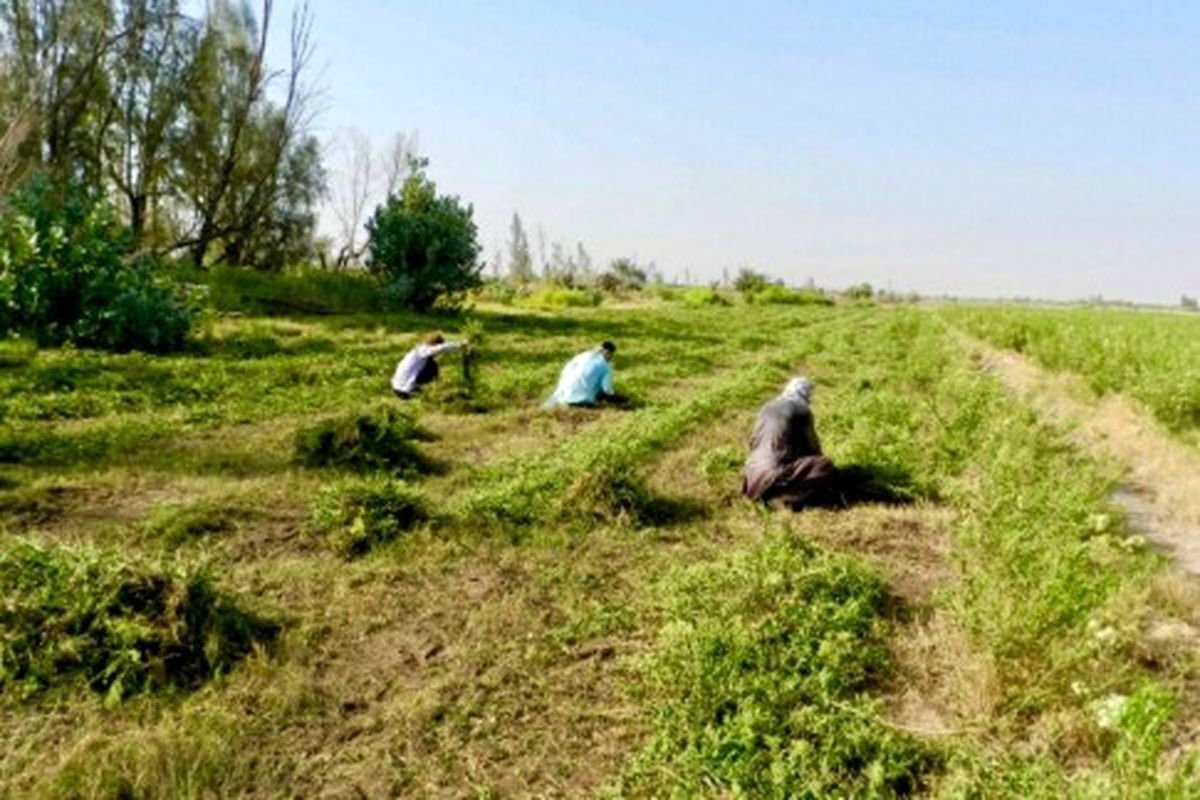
{"x": 586, "y": 379}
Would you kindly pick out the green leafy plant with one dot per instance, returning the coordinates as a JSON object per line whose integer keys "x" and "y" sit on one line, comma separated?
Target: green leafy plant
{"x": 422, "y": 245}
{"x": 358, "y": 514}
{"x": 120, "y": 626}
{"x": 759, "y": 683}
{"x": 379, "y": 439}
{"x": 66, "y": 276}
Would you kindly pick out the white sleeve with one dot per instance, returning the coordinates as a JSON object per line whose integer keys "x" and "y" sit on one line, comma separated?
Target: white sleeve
{"x": 432, "y": 350}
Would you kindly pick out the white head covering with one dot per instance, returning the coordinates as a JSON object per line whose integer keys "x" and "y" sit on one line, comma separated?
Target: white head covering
{"x": 798, "y": 388}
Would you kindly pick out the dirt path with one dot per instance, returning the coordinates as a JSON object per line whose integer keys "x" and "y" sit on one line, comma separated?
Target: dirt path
{"x": 1161, "y": 491}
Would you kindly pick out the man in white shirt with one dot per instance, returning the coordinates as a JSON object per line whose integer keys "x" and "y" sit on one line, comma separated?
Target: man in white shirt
{"x": 418, "y": 366}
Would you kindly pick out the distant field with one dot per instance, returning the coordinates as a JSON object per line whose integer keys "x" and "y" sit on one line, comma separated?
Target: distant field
{"x": 1151, "y": 356}
{"x": 248, "y": 570}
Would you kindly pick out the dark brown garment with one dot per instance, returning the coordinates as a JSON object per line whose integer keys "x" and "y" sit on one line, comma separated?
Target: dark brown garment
{"x": 785, "y": 462}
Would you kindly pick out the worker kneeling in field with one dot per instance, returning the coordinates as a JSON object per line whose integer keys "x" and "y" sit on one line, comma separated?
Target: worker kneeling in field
{"x": 419, "y": 367}
{"x": 587, "y": 379}
{"x": 785, "y": 465}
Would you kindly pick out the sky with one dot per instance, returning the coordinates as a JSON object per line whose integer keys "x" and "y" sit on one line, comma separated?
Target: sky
{"x": 1002, "y": 149}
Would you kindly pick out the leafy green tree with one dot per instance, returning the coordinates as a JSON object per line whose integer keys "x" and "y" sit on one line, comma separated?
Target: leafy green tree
{"x": 422, "y": 245}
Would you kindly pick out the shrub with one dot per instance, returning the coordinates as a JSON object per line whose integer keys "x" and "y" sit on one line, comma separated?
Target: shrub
{"x": 562, "y": 297}
{"x": 860, "y": 291}
{"x": 66, "y": 276}
{"x": 422, "y": 245}
{"x": 623, "y": 275}
{"x": 360, "y": 514}
{"x": 781, "y": 295}
{"x": 379, "y": 439}
{"x": 700, "y": 296}
{"x": 120, "y": 626}
{"x": 748, "y": 281}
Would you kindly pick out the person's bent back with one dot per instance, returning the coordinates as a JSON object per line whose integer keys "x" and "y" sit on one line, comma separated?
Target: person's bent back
{"x": 586, "y": 379}
{"x": 419, "y": 367}
{"x": 785, "y": 461}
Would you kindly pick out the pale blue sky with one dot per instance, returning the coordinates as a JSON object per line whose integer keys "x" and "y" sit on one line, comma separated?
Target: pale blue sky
{"x": 1045, "y": 149}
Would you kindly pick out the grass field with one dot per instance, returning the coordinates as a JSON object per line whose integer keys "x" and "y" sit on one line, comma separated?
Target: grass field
{"x": 248, "y": 570}
{"x": 1152, "y": 357}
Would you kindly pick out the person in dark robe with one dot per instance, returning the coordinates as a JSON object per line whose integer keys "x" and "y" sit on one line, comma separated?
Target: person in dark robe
{"x": 786, "y": 466}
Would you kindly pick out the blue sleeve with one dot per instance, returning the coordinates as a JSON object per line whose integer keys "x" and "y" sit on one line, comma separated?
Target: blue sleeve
{"x": 606, "y": 379}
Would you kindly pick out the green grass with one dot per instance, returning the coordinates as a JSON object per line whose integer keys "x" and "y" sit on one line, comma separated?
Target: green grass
{"x": 1151, "y": 356}
{"x": 572, "y": 602}
{"x": 760, "y": 682}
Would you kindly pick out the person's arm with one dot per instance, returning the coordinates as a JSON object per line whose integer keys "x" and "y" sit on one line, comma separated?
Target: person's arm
{"x": 606, "y": 380}
{"x": 434, "y": 350}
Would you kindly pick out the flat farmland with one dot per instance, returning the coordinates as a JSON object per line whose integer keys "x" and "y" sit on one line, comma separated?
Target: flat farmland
{"x": 248, "y": 570}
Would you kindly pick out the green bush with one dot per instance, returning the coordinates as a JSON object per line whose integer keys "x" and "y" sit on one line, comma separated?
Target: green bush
{"x": 360, "y": 514}
{"x": 301, "y": 290}
{"x": 748, "y": 281}
{"x": 422, "y": 246}
{"x": 66, "y": 276}
{"x": 562, "y": 297}
{"x": 120, "y": 626}
{"x": 379, "y": 439}
{"x": 701, "y": 296}
{"x": 781, "y": 295}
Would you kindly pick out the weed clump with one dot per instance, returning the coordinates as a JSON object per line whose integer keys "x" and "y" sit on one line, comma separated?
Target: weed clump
{"x": 381, "y": 439}
{"x": 119, "y": 626}
{"x": 611, "y": 490}
{"x": 358, "y": 515}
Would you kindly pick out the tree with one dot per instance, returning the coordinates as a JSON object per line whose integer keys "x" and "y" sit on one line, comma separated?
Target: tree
{"x": 147, "y": 91}
{"x": 423, "y": 245}
{"x": 628, "y": 274}
{"x": 520, "y": 261}
{"x": 234, "y": 141}
{"x": 1189, "y": 303}
{"x": 583, "y": 261}
{"x": 55, "y": 53}
{"x": 749, "y": 281}
{"x": 174, "y": 116}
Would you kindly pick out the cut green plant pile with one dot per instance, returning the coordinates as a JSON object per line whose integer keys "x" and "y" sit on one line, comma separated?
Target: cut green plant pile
{"x": 359, "y": 514}
{"x": 117, "y": 626}
{"x": 382, "y": 439}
